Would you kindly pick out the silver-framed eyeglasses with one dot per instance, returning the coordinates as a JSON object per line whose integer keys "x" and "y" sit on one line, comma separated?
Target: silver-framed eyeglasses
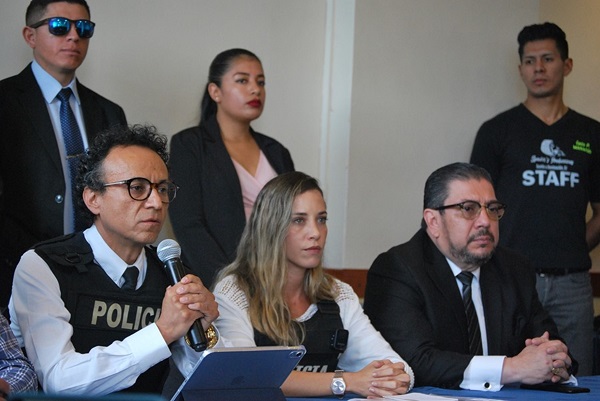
{"x": 471, "y": 209}
{"x": 140, "y": 188}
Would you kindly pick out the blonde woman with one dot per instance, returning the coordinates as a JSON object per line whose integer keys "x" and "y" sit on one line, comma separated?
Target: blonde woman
{"x": 276, "y": 292}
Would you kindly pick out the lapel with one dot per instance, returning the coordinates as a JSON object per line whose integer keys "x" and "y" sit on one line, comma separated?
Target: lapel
{"x": 441, "y": 275}
{"x": 92, "y": 113}
{"x": 491, "y": 297}
{"x": 492, "y": 293}
{"x": 216, "y": 147}
{"x": 35, "y": 109}
{"x": 222, "y": 163}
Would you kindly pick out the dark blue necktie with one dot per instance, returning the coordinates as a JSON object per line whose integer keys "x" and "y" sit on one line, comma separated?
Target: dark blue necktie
{"x": 130, "y": 275}
{"x": 475, "y": 346}
{"x": 73, "y": 147}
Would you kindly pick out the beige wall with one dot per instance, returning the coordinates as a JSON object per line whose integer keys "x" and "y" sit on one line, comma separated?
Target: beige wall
{"x": 368, "y": 95}
{"x": 427, "y": 74}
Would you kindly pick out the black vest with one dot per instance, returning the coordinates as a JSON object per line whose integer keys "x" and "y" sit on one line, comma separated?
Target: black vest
{"x": 322, "y": 350}
{"x": 101, "y": 312}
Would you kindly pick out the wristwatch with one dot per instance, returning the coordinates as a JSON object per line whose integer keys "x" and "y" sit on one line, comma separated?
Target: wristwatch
{"x": 338, "y": 385}
{"x": 212, "y": 337}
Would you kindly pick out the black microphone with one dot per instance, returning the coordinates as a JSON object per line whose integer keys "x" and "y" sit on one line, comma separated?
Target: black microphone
{"x": 169, "y": 253}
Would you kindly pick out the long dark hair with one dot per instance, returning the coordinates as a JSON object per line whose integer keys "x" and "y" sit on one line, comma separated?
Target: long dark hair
{"x": 219, "y": 66}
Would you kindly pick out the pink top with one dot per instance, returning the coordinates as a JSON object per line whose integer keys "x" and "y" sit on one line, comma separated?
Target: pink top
{"x": 251, "y": 185}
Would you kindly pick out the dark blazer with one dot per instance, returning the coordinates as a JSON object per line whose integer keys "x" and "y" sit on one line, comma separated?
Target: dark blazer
{"x": 412, "y": 298}
{"x": 208, "y": 214}
{"x": 32, "y": 186}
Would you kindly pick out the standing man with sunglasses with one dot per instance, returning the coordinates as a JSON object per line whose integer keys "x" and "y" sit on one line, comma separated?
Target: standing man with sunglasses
{"x": 36, "y": 201}
{"x": 544, "y": 159}
{"x": 95, "y": 310}
{"x": 462, "y": 311}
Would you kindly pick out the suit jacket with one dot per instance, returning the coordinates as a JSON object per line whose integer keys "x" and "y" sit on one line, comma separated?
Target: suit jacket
{"x": 412, "y": 297}
{"x": 208, "y": 214}
{"x": 32, "y": 186}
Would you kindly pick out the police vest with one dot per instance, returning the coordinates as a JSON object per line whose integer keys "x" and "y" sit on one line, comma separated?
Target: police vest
{"x": 101, "y": 312}
{"x": 321, "y": 340}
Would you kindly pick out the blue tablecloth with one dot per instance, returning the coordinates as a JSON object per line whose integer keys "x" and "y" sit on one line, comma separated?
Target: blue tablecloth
{"x": 516, "y": 393}
{"x": 507, "y": 393}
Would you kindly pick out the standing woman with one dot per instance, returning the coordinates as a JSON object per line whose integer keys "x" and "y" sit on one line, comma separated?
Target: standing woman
{"x": 222, "y": 164}
{"x": 276, "y": 293}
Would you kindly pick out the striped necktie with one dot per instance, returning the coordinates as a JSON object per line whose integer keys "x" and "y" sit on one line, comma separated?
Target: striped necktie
{"x": 475, "y": 346}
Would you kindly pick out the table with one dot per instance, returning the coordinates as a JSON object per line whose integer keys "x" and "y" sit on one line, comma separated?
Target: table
{"x": 516, "y": 393}
{"x": 507, "y": 393}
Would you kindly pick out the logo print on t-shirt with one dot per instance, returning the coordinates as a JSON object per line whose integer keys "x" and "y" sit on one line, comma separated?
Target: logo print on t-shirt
{"x": 551, "y": 168}
{"x": 583, "y": 146}
{"x": 550, "y": 149}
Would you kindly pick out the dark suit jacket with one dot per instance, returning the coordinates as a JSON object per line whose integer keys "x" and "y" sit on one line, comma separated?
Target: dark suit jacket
{"x": 208, "y": 214}
{"x": 32, "y": 186}
{"x": 413, "y": 299}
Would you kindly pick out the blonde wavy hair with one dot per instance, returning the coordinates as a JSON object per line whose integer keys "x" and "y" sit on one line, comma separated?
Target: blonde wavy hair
{"x": 260, "y": 266}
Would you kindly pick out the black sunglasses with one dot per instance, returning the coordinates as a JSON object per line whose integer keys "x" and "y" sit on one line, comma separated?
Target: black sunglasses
{"x": 60, "y": 26}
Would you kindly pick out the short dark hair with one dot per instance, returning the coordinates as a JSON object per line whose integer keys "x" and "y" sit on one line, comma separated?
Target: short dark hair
{"x": 37, "y": 8}
{"x": 547, "y": 30}
{"x": 91, "y": 172}
{"x": 437, "y": 185}
{"x": 219, "y": 66}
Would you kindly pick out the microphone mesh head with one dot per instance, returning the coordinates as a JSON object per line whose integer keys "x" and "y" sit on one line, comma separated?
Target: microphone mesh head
{"x": 168, "y": 249}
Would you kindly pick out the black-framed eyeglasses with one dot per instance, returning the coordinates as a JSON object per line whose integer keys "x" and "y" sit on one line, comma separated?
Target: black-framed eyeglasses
{"x": 140, "y": 188}
{"x": 60, "y": 26}
{"x": 471, "y": 209}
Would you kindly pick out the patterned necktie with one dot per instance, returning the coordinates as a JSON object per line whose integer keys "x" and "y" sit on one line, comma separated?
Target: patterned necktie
{"x": 130, "y": 276}
{"x": 475, "y": 346}
{"x": 73, "y": 147}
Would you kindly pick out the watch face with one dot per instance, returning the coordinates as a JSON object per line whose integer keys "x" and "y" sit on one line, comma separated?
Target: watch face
{"x": 338, "y": 386}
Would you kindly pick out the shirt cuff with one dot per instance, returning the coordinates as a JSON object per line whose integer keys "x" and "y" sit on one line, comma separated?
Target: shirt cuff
{"x": 572, "y": 380}
{"x": 186, "y": 358}
{"x": 484, "y": 373}
{"x": 148, "y": 347}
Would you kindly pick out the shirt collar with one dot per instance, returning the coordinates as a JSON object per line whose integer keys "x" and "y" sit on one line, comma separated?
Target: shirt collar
{"x": 49, "y": 85}
{"x": 110, "y": 262}
{"x": 457, "y": 270}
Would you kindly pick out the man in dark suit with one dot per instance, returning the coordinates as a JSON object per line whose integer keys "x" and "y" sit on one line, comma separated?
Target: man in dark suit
{"x": 35, "y": 186}
{"x": 413, "y": 295}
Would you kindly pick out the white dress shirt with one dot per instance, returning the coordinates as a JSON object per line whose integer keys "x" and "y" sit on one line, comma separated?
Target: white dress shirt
{"x": 484, "y": 371}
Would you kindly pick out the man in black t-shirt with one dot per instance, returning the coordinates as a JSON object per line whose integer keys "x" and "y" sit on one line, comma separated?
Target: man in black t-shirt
{"x": 544, "y": 159}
